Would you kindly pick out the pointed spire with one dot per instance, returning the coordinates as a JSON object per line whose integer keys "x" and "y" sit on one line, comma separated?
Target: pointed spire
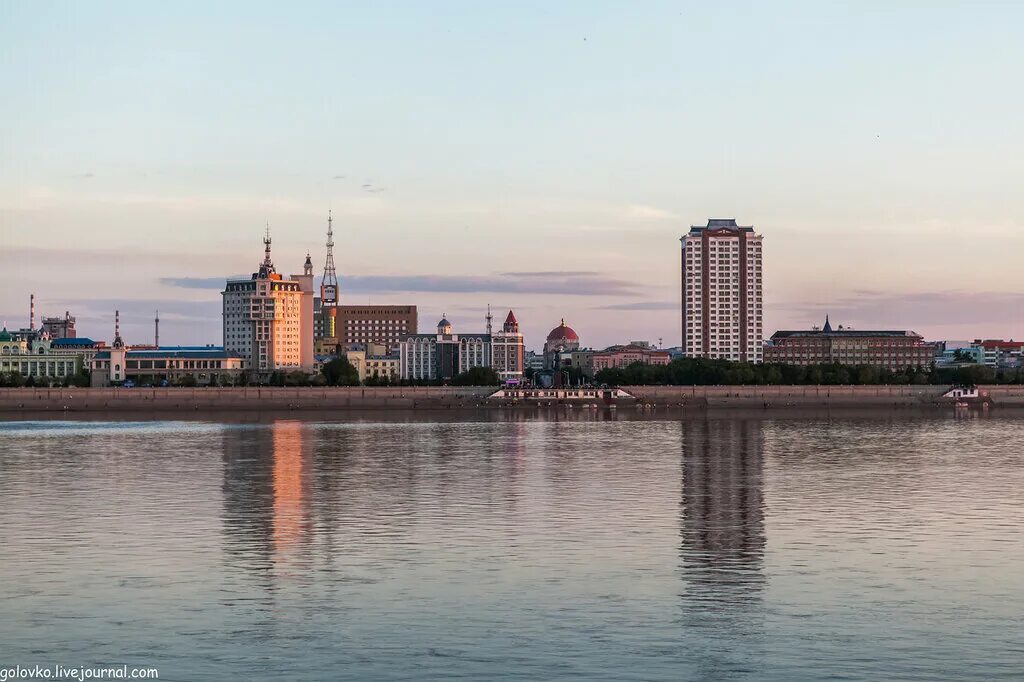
{"x": 329, "y": 285}
{"x": 118, "y": 341}
{"x": 511, "y": 323}
{"x": 827, "y": 329}
{"x": 267, "y": 266}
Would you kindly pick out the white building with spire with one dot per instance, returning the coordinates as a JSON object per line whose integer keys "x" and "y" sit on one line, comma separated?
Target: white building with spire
{"x": 442, "y": 356}
{"x": 268, "y": 319}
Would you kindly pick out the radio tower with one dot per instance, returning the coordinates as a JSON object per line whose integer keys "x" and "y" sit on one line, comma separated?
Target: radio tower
{"x": 329, "y": 286}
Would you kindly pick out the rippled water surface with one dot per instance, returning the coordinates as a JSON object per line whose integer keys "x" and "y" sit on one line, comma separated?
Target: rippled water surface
{"x": 787, "y": 549}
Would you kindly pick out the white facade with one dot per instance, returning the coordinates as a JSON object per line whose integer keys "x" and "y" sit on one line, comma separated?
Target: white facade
{"x": 439, "y": 357}
{"x": 722, "y": 292}
{"x": 268, "y": 320}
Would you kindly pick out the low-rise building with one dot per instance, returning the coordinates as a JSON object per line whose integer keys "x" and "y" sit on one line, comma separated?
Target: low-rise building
{"x": 36, "y": 358}
{"x": 893, "y": 350}
{"x": 373, "y": 361}
{"x": 204, "y": 365}
{"x": 623, "y": 356}
{"x": 999, "y": 353}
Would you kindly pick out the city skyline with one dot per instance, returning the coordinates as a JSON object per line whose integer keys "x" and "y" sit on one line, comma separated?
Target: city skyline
{"x": 543, "y": 159}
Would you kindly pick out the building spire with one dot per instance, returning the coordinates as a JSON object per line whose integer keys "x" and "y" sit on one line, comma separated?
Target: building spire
{"x": 267, "y": 266}
{"x": 489, "y": 318}
{"x": 329, "y": 286}
{"x": 118, "y": 341}
{"x": 828, "y": 325}
{"x": 156, "y": 329}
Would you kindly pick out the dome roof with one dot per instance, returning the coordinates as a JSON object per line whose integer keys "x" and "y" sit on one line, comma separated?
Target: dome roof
{"x": 5, "y": 335}
{"x": 563, "y": 332}
{"x": 444, "y": 322}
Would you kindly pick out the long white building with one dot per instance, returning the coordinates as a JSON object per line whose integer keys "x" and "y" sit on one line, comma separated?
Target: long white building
{"x": 722, "y": 292}
{"x": 268, "y": 320}
{"x": 441, "y": 356}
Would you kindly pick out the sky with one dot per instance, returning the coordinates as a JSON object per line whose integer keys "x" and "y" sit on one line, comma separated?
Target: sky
{"x": 544, "y": 157}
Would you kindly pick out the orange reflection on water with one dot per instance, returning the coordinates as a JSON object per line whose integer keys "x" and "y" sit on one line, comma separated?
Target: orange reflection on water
{"x": 289, "y": 485}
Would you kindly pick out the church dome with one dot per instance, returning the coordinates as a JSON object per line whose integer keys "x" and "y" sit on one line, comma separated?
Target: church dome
{"x": 563, "y": 332}
{"x": 5, "y": 335}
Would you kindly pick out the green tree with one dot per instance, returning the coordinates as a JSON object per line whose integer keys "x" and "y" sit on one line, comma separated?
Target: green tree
{"x": 340, "y": 372}
{"x": 477, "y": 376}
{"x": 296, "y": 378}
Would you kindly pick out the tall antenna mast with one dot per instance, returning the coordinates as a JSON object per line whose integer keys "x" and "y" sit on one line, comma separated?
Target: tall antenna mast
{"x": 31, "y": 312}
{"x": 489, "y": 318}
{"x": 156, "y": 329}
{"x": 329, "y": 286}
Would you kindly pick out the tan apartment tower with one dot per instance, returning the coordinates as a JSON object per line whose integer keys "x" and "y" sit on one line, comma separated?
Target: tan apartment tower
{"x": 722, "y": 292}
{"x": 268, "y": 319}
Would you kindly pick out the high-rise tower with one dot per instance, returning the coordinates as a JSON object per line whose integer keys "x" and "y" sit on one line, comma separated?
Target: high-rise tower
{"x": 721, "y": 284}
{"x": 329, "y": 286}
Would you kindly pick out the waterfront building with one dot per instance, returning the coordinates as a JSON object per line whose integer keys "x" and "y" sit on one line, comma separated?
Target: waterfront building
{"x": 384, "y": 324}
{"x": 560, "y": 343}
{"x": 954, "y": 353}
{"x": 441, "y": 356}
{"x": 37, "y": 358}
{"x": 893, "y": 350}
{"x": 268, "y": 320}
{"x": 623, "y": 356}
{"x": 999, "y": 353}
{"x": 722, "y": 292}
{"x": 374, "y": 361}
{"x": 203, "y": 365}
{"x": 508, "y": 353}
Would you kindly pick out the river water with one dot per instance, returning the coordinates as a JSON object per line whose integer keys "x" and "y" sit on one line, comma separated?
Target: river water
{"x": 875, "y": 548}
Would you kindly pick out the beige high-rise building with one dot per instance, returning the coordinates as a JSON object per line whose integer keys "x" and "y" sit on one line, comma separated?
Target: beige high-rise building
{"x": 268, "y": 320}
{"x": 722, "y": 292}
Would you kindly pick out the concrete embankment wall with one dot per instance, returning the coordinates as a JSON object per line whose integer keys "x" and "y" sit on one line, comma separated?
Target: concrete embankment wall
{"x": 446, "y": 397}
{"x": 229, "y": 399}
{"x": 809, "y": 396}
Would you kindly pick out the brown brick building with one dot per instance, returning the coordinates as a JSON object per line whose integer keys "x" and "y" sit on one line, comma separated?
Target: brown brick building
{"x": 894, "y": 350}
{"x": 383, "y": 324}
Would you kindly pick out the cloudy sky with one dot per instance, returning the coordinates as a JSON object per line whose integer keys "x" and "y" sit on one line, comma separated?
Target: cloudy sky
{"x": 539, "y": 156}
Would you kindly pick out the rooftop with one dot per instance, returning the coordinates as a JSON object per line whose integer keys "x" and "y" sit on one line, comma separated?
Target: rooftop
{"x": 74, "y": 342}
{"x": 185, "y": 352}
{"x": 720, "y": 224}
{"x": 843, "y": 333}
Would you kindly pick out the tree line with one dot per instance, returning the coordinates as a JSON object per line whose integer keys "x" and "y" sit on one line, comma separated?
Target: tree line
{"x": 705, "y": 372}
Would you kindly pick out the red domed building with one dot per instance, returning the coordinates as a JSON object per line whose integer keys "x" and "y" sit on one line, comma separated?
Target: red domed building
{"x": 561, "y": 343}
{"x": 562, "y": 338}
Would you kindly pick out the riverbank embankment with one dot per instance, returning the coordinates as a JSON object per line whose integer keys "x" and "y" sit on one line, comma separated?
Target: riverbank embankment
{"x": 709, "y": 397}
{"x": 327, "y": 399}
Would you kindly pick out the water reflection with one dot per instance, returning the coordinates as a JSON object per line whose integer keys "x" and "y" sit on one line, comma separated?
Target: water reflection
{"x": 722, "y": 536}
